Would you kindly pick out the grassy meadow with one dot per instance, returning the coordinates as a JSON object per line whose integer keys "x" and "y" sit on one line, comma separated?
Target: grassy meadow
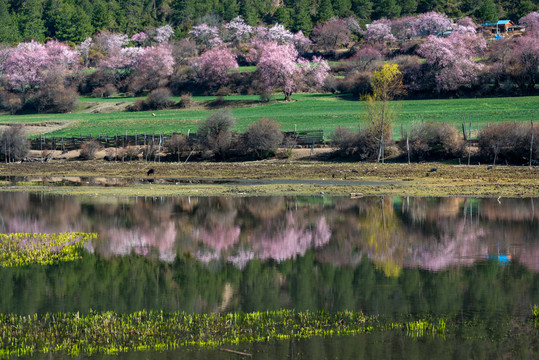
{"x": 305, "y": 112}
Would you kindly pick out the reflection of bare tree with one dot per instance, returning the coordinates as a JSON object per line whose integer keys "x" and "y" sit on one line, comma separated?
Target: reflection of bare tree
{"x": 266, "y": 208}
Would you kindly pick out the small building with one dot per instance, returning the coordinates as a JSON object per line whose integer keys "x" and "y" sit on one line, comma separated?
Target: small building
{"x": 501, "y": 26}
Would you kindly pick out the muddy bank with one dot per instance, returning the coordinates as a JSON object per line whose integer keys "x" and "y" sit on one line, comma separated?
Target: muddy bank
{"x": 282, "y": 177}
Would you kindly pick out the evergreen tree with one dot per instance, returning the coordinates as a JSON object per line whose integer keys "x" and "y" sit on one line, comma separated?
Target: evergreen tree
{"x": 303, "y": 20}
{"x": 183, "y": 11}
{"x": 282, "y": 16}
{"x": 50, "y": 16}
{"x": 31, "y": 22}
{"x": 408, "y": 7}
{"x": 362, "y": 9}
{"x": 325, "y": 11}
{"x": 487, "y": 11}
{"x": 342, "y": 8}
{"x": 231, "y": 9}
{"x": 73, "y": 25}
{"x": 249, "y": 12}
{"x": 101, "y": 16}
{"x": 387, "y": 8}
{"x": 8, "y": 32}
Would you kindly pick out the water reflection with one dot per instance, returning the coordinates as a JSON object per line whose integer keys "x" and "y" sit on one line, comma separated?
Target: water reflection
{"x": 395, "y": 233}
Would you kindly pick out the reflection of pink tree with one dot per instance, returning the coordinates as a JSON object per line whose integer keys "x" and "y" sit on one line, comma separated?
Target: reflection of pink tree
{"x": 457, "y": 245}
{"x": 290, "y": 240}
{"x": 123, "y": 241}
{"x": 218, "y": 237}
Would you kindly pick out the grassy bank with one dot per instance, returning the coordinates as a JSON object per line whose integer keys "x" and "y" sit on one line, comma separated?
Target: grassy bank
{"x": 281, "y": 178}
{"x": 306, "y": 112}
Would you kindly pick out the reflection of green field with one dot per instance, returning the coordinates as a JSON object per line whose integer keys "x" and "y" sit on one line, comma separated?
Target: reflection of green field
{"x": 307, "y": 112}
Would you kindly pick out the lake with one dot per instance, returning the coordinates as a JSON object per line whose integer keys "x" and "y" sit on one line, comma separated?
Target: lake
{"x": 472, "y": 261}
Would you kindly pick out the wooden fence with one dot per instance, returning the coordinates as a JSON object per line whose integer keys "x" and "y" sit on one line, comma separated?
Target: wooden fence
{"x": 308, "y": 137}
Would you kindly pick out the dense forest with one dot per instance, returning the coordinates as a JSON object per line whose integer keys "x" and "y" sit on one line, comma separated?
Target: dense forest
{"x": 75, "y": 20}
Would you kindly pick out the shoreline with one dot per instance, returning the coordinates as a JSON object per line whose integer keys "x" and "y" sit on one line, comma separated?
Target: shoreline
{"x": 272, "y": 177}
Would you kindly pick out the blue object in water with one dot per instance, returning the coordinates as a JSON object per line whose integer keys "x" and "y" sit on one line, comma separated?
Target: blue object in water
{"x": 503, "y": 259}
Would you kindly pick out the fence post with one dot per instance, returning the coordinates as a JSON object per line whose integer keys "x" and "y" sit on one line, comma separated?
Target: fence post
{"x": 531, "y": 143}
{"x": 408, "y": 147}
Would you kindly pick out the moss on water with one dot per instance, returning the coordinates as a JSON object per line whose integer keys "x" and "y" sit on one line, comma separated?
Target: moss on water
{"x": 22, "y": 249}
{"x": 113, "y": 333}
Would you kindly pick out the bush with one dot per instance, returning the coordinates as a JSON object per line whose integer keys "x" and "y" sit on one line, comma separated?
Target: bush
{"x": 264, "y": 137}
{"x": 109, "y": 90}
{"x": 357, "y": 83}
{"x": 177, "y": 144}
{"x": 137, "y": 105}
{"x": 509, "y": 142}
{"x": 185, "y": 101}
{"x": 157, "y": 99}
{"x": 88, "y": 149}
{"x": 433, "y": 141}
{"x": 363, "y": 145}
{"x": 216, "y": 132}
{"x": 11, "y": 102}
{"x": 98, "y": 92}
{"x": 54, "y": 99}
{"x": 345, "y": 139}
{"x": 13, "y": 144}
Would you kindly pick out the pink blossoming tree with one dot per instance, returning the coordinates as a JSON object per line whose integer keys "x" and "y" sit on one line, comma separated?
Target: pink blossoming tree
{"x": 214, "y": 66}
{"x": 379, "y": 31}
{"x": 451, "y": 59}
{"x": 278, "y": 67}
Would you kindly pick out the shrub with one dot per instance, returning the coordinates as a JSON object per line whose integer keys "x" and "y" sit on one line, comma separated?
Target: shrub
{"x": 159, "y": 98}
{"x": 433, "y": 141}
{"x": 11, "y": 102}
{"x": 54, "y": 99}
{"x": 264, "y": 137}
{"x": 344, "y": 139}
{"x": 216, "y": 132}
{"x": 357, "y": 83}
{"x": 98, "y": 92}
{"x": 13, "y": 143}
{"x": 363, "y": 145}
{"x": 88, "y": 149}
{"x": 185, "y": 101}
{"x": 368, "y": 146}
{"x": 176, "y": 145}
{"x": 509, "y": 142}
{"x": 137, "y": 105}
{"x": 109, "y": 90}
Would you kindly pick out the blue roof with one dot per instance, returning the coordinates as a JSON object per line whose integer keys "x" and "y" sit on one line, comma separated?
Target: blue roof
{"x": 500, "y": 22}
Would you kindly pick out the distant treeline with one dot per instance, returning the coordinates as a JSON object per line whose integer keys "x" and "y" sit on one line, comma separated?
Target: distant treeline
{"x": 74, "y": 21}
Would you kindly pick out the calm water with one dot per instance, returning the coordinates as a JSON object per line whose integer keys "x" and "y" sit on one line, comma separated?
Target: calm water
{"x": 466, "y": 259}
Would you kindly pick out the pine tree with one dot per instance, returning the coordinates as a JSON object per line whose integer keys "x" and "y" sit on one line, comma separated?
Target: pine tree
{"x": 303, "y": 20}
{"x": 325, "y": 11}
{"x": 101, "y": 16}
{"x": 362, "y": 9}
{"x": 487, "y": 11}
{"x": 387, "y": 8}
{"x": 32, "y": 24}
{"x": 231, "y": 9}
{"x": 342, "y": 8}
{"x": 8, "y": 32}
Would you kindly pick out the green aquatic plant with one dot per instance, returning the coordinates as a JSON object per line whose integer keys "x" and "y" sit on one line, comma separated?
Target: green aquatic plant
{"x": 535, "y": 316}
{"x": 113, "y": 333}
{"x": 22, "y": 249}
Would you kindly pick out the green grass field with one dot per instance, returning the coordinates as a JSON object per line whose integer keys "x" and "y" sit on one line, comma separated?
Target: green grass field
{"x": 305, "y": 112}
